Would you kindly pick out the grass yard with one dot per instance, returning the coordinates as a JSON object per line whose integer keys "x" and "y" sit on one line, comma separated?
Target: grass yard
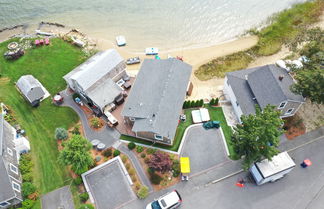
{"x": 216, "y": 113}
{"x": 285, "y": 28}
{"x": 48, "y": 64}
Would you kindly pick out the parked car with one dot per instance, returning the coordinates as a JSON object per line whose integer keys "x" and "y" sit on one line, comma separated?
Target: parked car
{"x": 170, "y": 200}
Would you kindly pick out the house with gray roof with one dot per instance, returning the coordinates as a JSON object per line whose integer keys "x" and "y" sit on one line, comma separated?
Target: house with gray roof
{"x": 261, "y": 86}
{"x": 31, "y": 89}
{"x": 95, "y": 80}
{"x": 10, "y": 179}
{"x": 155, "y": 101}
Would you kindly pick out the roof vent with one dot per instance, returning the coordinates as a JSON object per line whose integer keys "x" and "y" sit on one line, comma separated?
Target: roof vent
{"x": 141, "y": 104}
{"x": 281, "y": 77}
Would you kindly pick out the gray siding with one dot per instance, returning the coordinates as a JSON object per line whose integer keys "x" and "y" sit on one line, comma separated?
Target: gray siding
{"x": 289, "y": 105}
{"x": 150, "y": 137}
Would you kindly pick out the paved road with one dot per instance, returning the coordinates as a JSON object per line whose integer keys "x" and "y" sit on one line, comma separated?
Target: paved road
{"x": 300, "y": 189}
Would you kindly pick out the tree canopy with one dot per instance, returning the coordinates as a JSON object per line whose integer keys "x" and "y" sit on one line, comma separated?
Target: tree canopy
{"x": 76, "y": 154}
{"x": 258, "y": 135}
{"x": 61, "y": 134}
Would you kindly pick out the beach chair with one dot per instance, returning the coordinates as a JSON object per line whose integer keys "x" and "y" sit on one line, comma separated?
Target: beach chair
{"x": 47, "y": 41}
{"x": 41, "y": 42}
{"x": 36, "y": 42}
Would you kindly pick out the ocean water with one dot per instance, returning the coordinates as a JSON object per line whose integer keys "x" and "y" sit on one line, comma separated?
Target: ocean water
{"x": 167, "y": 24}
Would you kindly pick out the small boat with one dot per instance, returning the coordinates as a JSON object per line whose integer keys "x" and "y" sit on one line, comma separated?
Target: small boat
{"x": 121, "y": 41}
{"x": 38, "y": 32}
{"x": 133, "y": 60}
{"x": 151, "y": 51}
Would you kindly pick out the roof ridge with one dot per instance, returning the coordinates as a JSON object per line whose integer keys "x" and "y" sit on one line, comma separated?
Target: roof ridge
{"x": 270, "y": 67}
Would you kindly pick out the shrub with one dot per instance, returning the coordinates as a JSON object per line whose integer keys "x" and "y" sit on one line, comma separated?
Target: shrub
{"x": 192, "y": 104}
{"x": 146, "y": 160}
{"x": 151, "y": 151}
{"x": 216, "y": 101}
{"x": 124, "y": 158}
{"x": 95, "y": 122}
{"x": 127, "y": 166}
{"x": 61, "y": 134}
{"x": 27, "y": 177}
{"x": 201, "y": 103}
{"x": 134, "y": 179}
{"x": 143, "y": 155}
{"x": 176, "y": 168}
{"x": 76, "y": 130}
{"x": 84, "y": 196}
{"x": 116, "y": 153}
{"x": 143, "y": 192}
{"x": 137, "y": 186}
{"x": 139, "y": 149}
{"x": 197, "y": 103}
{"x": 155, "y": 178}
{"x": 28, "y": 204}
{"x": 131, "y": 145}
{"x": 25, "y": 164}
{"x": 107, "y": 152}
{"x": 77, "y": 180}
{"x": 98, "y": 158}
{"x": 160, "y": 161}
{"x": 27, "y": 189}
{"x": 150, "y": 170}
{"x": 131, "y": 171}
{"x": 86, "y": 206}
{"x": 212, "y": 101}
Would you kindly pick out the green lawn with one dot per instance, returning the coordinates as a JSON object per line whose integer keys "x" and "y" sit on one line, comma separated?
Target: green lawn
{"x": 216, "y": 113}
{"x": 48, "y": 64}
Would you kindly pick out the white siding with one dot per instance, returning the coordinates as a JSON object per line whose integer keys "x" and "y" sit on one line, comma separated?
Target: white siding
{"x": 229, "y": 95}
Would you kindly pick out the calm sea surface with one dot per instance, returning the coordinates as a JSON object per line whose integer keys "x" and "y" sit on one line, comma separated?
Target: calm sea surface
{"x": 167, "y": 24}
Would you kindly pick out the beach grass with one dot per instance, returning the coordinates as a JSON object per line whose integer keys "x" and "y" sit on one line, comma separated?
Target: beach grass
{"x": 284, "y": 27}
{"x": 48, "y": 64}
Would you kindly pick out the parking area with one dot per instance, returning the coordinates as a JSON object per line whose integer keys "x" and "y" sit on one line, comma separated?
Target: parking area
{"x": 108, "y": 184}
{"x": 60, "y": 198}
{"x": 205, "y": 148}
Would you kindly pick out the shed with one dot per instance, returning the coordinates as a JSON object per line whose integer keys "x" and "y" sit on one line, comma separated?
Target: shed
{"x": 31, "y": 89}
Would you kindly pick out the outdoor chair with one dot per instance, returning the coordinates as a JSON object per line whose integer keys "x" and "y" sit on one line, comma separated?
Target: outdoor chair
{"x": 36, "y": 42}
{"x": 47, "y": 41}
{"x": 41, "y": 42}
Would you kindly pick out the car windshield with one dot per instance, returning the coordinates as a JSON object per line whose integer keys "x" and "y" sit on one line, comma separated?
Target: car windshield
{"x": 156, "y": 205}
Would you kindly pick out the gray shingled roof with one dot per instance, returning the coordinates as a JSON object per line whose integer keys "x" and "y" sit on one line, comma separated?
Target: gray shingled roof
{"x": 30, "y": 87}
{"x": 103, "y": 92}
{"x": 94, "y": 68}
{"x": 6, "y": 190}
{"x": 157, "y": 96}
{"x": 262, "y": 83}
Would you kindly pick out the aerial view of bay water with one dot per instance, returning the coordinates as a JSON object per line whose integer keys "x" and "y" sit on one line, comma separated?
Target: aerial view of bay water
{"x": 166, "y": 24}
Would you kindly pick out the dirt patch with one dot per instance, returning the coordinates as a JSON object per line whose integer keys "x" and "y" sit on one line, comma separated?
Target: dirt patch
{"x": 294, "y": 126}
{"x": 312, "y": 115}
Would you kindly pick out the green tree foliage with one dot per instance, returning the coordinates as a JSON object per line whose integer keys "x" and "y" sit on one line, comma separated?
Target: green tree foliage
{"x": 86, "y": 206}
{"x": 310, "y": 79}
{"x": 84, "y": 196}
{"x": 192, "y": 103}
{"x": 142, "y": 192}
{"x": 107, "y": 152}
{"x": 139, "y": 149}
{"x": 116, "y": 153}
{"x": 61, "y": 134}
{"x": 76, "y": 154}
{"x": 27, "y": 189}
{"x": 131, "y": 145}
{"x": 211, "y": 102}
{"x": 258, "y": 136}
{"x": 216, "y": 101}
{"x": 28, "y": 204}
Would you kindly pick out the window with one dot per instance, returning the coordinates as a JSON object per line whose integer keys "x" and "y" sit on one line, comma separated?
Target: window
{"x": 13, "y": 168}
{"x": 282, "y": 105}
{"x": 158, "y": 137}
{"x": 289, "y": 111}
{"x": 9, "y": 151}
{"x": 4, "y": 204}
{"x": 16, "y": 186}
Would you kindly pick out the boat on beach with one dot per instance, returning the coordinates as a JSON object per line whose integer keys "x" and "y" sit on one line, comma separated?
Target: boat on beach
{"x": 151, "y": 51}
{"x": 121, "y": 41}
{"x": 133, "y": 60}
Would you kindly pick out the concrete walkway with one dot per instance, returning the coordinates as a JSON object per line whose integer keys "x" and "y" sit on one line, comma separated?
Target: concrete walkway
{"x": 109, "y": 136}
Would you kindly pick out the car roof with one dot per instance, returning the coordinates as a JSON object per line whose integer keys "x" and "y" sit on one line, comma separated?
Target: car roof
{"x": 169, "y": 199}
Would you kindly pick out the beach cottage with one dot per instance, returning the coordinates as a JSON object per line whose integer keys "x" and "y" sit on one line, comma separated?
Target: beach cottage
{"x": 155, "y": 101}
{"x": 31, "y": 89}
{"x": 97, "y": 79}
{"x": 261, "y": 86}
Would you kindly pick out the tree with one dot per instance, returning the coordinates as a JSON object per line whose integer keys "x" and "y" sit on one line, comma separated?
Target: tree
{"x": 201, "y": 103}
{"x": 216, "y": 101}
{"x": 76, "y": 154}
{"x": 192, "y": 104}
{"x": 61, "y": 134}
{"x": 310, "y": 83}
{"x": 160, "y": 162}
{"x": 131, "y": 145}
{"x": 211, "y": 102}
{"x": 258, "y": 135}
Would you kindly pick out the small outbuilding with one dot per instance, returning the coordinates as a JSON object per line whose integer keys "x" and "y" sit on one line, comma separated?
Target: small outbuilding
{"x": 31, "y": 89}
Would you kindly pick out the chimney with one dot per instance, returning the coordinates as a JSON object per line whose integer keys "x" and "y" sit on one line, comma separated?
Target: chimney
{"x": 281, "y": 77}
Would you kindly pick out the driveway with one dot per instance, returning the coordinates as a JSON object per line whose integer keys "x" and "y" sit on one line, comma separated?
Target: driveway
{"x": 60, "y": 198}
{"x": 205, "y": 148}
